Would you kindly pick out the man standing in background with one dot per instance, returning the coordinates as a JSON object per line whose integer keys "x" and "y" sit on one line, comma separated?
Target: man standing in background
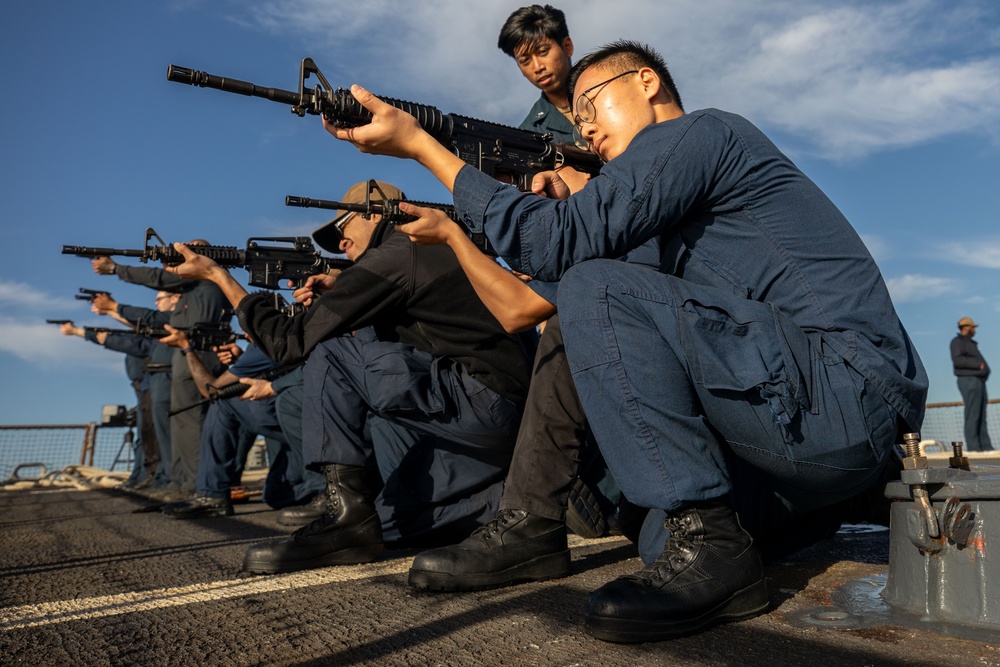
{"x": 972, "y": 372}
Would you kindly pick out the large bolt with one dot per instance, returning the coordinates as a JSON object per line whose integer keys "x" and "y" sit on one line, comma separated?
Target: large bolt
{"x": 958, "y": 461}
{"x": 911, "y": 444}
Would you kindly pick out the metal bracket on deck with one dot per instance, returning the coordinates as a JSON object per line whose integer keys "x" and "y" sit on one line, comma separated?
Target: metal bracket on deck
{"x": 957, "y": 521}
{"x": 929, "y": 529}
{"x": 948, "y": 514}
{"x": 929, "y": 532}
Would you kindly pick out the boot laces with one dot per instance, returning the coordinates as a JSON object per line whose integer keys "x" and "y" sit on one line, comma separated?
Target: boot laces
{"x": 496, "y": 525}
{"x": 674, "y": 557}
{"x": 331, "y": 501}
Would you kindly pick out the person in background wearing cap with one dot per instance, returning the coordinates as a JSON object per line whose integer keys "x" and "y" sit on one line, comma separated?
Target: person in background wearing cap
{"x": 412, "y": 392}
{"x": 972, "y": 372}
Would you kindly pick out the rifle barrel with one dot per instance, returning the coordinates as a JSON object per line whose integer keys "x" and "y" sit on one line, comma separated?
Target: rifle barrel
{"x": 338, "y": 104}
{"x": 306, "y": 202}
{"x": 84, "y": 251}
{"x": 205, "y": 80}
{"x": 227, "y": 256}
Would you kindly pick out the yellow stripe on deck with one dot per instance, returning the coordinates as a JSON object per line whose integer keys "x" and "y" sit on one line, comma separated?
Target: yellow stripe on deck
{"x": 47, "y": 613}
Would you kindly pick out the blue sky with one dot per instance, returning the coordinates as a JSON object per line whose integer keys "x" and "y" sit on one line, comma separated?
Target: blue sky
{"x": 893, "y": 108}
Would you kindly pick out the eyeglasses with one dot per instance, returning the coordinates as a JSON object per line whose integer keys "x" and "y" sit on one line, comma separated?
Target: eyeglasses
{"x": 586, "y": 111}
{"x": 342, "y": 222}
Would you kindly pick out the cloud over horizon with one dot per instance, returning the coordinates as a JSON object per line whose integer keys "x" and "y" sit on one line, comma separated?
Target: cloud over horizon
{"x": 841, "y": 80}
{"x": 914, "y": 287}
{"x": 42, "y": 345}
{"x": 985, "y": 254}
{"x": 25, "y": 334}
{"x": 20, "y": 296}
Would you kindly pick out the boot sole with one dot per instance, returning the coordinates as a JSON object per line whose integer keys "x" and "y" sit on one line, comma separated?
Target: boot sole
{"x": 284, "y": 521}
{"x": 583, "y": 512}
{"x": 549, "y": 566}
{"x": 198, "y": 515}
{"x": 354, "y": 556}
{"x": 747, "y": 603}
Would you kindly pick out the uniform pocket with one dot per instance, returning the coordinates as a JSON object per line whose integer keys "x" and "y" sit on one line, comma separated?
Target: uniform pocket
{"x": 403, "y": 381}
{"x": 741, "y": 352}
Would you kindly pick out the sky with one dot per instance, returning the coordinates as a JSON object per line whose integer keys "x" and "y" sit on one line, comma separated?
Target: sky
{"x": 892, "y": 107}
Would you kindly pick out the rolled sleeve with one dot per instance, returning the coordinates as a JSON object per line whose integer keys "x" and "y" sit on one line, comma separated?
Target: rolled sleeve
{"x": 473, "y": 192}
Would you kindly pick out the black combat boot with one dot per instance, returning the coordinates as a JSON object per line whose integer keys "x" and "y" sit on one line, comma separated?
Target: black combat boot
{"x": 350, "y": 531}
{"x": 709, "y": 572}
{"x": 199, "y": 507}
{"x": 515, "y": 546}
{"x": 300, "y": 515}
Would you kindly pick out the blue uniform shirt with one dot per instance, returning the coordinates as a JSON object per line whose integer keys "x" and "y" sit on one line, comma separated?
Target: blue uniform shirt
{"x": 730, "y": 211}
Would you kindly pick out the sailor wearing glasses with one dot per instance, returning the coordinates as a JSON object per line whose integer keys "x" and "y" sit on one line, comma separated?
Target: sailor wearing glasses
{"x": 763, "y": 367}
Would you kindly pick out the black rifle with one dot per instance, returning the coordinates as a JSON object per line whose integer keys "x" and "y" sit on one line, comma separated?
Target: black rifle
{"x": 234, "y": 389}
{"x": 202, "y": 336}
{"x": 268, "y": 265}
{"x": 506, "y": 153}
{"x": 90, "y": 294}
{"x": 389, "y": 210}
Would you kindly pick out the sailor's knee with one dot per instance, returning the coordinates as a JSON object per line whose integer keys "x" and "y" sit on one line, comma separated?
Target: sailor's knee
{"x": 582, "y": 286}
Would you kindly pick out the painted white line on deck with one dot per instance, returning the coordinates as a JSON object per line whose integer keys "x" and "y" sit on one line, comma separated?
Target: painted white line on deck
{"x": 47, "y": 613}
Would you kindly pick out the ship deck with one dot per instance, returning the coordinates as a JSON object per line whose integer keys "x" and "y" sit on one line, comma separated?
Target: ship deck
{"x": 91, "y": 577}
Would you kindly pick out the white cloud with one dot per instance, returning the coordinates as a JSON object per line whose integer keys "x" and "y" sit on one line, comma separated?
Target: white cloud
{"x": 22, "y": 296}
{"x": 44, "y": 346}
{"x": 973, "y": 253}
{"x": 915, "y": 287}
{"x": 842, "y": 79}
{"x": 849, "y": 79}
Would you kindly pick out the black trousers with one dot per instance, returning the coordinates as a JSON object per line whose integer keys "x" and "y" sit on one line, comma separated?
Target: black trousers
{"x": 554, "y": 445}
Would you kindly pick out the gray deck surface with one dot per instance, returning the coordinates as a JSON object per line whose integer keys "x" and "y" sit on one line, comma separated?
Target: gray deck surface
{"x": 84, "y": 580}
